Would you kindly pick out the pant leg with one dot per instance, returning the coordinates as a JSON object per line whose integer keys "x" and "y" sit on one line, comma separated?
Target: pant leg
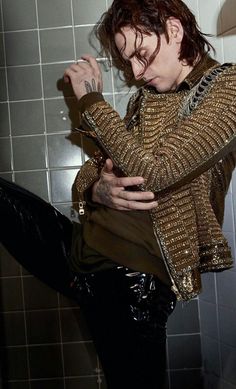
{"x": 37, "y": 235}
{"x": 127, "y": 314}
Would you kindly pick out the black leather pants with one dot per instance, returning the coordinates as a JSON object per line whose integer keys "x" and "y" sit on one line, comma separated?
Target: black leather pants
{"x": 37, "y": 235}
{"x": 127, "y": 313}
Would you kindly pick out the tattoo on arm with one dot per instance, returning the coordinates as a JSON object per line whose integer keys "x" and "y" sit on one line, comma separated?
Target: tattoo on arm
{"x": 91, "y": 86}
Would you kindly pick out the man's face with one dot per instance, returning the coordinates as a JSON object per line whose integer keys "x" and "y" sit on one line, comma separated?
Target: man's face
{"x": 165, "y": 72}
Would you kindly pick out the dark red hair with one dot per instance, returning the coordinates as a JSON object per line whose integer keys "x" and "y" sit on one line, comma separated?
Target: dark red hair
{"x": 145, "y": 17}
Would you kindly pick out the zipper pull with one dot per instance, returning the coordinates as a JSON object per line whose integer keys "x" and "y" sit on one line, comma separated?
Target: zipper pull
{"x": 81, "y": 208}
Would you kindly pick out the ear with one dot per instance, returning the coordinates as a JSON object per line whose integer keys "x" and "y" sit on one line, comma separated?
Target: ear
{"x": 175, "y": 29}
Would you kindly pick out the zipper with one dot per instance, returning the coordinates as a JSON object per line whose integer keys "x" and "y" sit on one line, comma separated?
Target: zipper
{"x": 174, "y": 287}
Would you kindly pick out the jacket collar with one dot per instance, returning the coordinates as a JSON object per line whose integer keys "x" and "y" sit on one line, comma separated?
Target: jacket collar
{"x": 206, "y": 63}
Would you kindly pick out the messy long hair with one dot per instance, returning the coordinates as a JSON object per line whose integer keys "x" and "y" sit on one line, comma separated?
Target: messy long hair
{"x": 145, "y": 17}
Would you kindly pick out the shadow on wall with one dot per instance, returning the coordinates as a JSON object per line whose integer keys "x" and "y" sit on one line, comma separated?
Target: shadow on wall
{"x": 226, "y": 23}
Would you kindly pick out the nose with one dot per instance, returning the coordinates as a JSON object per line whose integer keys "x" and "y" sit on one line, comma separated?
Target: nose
{"x": 137, "y": 68}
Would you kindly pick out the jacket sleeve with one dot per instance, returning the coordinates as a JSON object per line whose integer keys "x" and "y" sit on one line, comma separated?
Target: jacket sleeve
{"x": 88, "y": 174}
{"x": 198, "y": 142}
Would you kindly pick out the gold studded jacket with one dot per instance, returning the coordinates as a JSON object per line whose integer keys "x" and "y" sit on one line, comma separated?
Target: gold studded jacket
{"x": 183, "y": 144}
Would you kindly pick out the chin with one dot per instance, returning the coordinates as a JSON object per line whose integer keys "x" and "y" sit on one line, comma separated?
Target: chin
{"x": 161, "y": 87}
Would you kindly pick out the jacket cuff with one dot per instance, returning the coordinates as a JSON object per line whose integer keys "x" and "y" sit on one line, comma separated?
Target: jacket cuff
{"x": 89, "y": 99}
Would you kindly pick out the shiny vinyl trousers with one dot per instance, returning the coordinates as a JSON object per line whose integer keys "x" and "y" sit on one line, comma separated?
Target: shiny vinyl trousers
{"x": 127, "y": 313}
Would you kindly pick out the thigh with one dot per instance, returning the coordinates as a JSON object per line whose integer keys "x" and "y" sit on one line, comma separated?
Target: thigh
{"x": 127, "y": 313}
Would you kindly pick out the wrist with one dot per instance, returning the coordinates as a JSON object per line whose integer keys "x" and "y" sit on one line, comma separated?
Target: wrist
{"x": 89, "y": 99}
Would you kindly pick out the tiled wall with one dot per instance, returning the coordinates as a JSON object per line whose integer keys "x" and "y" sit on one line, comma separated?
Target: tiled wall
{"x": 217, "y": 302}
{"x": 218, "y": 313}
{"x": 44, "y": 340}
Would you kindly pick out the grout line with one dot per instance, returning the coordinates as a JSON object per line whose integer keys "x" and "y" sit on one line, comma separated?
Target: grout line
{"x": 77, "y": 342}
{"x": 61, "y": 340}
{"x": 65, "y": 61}
{"x": 183, "y": 334}
{"x": 83, "y": 157}
{"x": 168, "y": 362}
{"x": 50, "y": 28}
{"x": 200, "y": 327}
{"x": 218, "y": 327}
{"x": 99, "y": 374}
{"x": 52, "y": 169}
{"x": 65, "y": 132}
{"x": 56, "y": 378}
{"x": 234, "y": 220}
{"x": 42, "y": 134}
{"x": 46, "y": 309}
{"x": 73, "y": 29}
{"x": 8, "y": 97}
{"x": 27, "y": 65}
{"x": 48, "y": 344}
{"x": 122, "y": 93}
{"x": 186, "y": 369}
{"x": 25, "y": 325}
{"x": 44, "y": 112}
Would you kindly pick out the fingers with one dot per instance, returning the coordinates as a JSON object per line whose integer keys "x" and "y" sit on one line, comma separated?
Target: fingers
{"x": 108, "y": 167}
{"x": 92, "y": 61}
{"x": 132, "y": 200}
{"x": 85, "y": 76}
{"x": 129, "y": 181}
{"x": 75, "y": 69}
{"x": 66, "y": 79}
{"x": 136, "y": 196}
{"x": 67, "y": 75}
{"x": 135, "y": 206}
{"x": 107, "y": 173}
{"x": 120, "y": 181}
{"x": 70, "y": 73}
{"x": 119, "y": 203}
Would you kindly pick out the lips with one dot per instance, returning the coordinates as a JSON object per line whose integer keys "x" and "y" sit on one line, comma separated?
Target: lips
{"x": 151, "y": 80}
{"x": 147, "y": 81}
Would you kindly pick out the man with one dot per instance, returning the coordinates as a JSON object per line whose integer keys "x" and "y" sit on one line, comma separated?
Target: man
{"x": 153, "y": 195}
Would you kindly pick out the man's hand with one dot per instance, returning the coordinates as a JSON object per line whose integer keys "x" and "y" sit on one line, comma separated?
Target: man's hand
{"x": 85, "y": 77}
{"x": 110, "y": 191}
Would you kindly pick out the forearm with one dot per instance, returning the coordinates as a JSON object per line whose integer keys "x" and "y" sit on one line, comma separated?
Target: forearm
{"x": 89, "y": 173}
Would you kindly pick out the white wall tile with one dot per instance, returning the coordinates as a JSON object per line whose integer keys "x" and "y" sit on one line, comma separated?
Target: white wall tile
{"x": 229, "y": 47}
{"x": 193, "y": 6}
{"x": 209, "y": 16}
{"x": 228, "y": 225}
